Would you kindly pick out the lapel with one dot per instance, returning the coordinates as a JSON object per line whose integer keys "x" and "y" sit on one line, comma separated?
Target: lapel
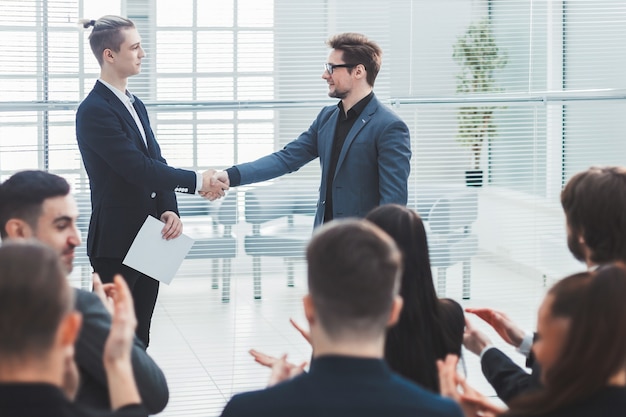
{"x": 143, "y": 117}
{"x": 359, "y": 124}
{"x": 115, "y": 102}
{"x": 327, "y": 134}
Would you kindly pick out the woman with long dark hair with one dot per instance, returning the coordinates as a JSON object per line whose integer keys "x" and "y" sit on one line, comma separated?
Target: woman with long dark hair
{"x": 581, "y": 347}
{"x": 427, "y": 329}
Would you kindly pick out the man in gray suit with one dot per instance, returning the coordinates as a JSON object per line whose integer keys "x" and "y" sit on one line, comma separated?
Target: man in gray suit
{"x": 38, "y": 205}
{"x": 364, "y": 148}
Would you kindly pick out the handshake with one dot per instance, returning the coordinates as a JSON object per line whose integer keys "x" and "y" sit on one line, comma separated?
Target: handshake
{"x": 214, "y": 184}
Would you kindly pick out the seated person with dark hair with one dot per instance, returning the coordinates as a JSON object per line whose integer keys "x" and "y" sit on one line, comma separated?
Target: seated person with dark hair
{"x": 354, "y": 271}
{"x": 38, "y": 205}
{"x": 594, "y": 203}
{"x": 39, "y": 327}
{"x": 581, "y": 347}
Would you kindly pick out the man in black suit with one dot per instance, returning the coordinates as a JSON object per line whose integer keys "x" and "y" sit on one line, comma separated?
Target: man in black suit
{"x": 594, "y": 203}
{"x": 354, "y": 270}
{"x": 128, "y": 176}
{"x": 38, "y": 205}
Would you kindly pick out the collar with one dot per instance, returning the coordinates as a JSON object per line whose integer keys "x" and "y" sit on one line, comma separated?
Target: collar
{"x": 125, "y": 97}
{"x": 357, "y": 108}
{"x": 352, "y": 366}
{"x": 45, "y": 392}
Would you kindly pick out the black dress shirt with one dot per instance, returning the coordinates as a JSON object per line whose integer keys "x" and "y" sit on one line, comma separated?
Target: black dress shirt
{"x": 344, "y": 124}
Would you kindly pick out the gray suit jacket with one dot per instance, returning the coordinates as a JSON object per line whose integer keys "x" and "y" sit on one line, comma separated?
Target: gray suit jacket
{"x": 89, "y": 349}
{"x": 373, "y": 166}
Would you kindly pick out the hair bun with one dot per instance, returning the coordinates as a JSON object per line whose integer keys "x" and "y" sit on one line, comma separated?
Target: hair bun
{"x": 86, "y": 23}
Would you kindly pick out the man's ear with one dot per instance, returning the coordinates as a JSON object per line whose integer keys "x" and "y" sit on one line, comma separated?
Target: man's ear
{"x": 107, "y": 55}
{"x": 359, "y": 71}
{"x": 396, "y": 308}
{"x": 18, "y": 228}
{"x": 69, "y": 329}
{"x": 309, "y": 309}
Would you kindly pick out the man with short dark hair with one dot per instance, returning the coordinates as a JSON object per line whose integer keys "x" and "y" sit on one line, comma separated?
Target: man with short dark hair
{"x": 39, "y": 327}
{"x": 594, "y": 203}
{"x": 354, "y": 270}
{"x": 38, "y": 205}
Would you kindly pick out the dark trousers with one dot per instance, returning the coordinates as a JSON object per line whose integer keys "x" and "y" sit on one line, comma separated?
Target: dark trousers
{"x": 144, "y": 289}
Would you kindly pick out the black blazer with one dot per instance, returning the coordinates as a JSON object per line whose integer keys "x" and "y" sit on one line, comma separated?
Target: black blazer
{"x": 45, "y": 400}
{"x": 128, "y": 181}
{"x": 343, "y": 386}
{"x": 609, "y": 402}
{"x": 89, "y": 349}
{"x": 506, "y": 377}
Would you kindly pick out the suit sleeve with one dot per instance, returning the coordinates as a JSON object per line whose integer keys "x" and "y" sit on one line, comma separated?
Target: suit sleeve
{"x": 95, "y": 329}
{"x": 292, "y": 157}
{"x": 101, "y": 135}
{"x": 394, "y": 163}
{"x": 166, "y": 200}
{"x": 505, "y": 376}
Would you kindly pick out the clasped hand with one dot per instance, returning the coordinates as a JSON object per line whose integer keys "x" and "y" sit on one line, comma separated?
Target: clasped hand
{"x": 214, "y": 184}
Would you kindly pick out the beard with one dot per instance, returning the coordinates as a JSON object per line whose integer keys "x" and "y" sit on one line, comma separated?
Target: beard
{"x": 338, "y": 94}
{"x": 575, "y": 247}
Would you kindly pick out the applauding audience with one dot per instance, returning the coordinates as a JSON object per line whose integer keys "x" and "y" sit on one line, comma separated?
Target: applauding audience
{"x": 39, "y": 326}
{"x": 594, "y": 203}
{"x": 354, "y": 271}
{"x": 581, "y": 347}
{"x": 38, "y": 205}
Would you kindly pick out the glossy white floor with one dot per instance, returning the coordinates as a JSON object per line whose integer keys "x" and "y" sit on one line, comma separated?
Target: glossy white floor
{"x": 202, "y": 343}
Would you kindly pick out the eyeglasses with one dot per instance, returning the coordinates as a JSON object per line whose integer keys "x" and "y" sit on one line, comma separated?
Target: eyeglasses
{"x": 330, "y": 67}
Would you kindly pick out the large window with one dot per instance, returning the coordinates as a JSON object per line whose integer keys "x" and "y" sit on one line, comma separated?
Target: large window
{"x": 229, "y": 81}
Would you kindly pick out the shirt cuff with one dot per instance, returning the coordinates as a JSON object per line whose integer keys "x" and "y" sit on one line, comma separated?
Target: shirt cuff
{"x": 198, "y": 181}
{"x": 485, "y": 349}
{"x": 526, "y": 345}
{"x": 234, "y": 176}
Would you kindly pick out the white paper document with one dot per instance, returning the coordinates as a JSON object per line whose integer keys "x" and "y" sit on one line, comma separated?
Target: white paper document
{"x": 154, "y": 256}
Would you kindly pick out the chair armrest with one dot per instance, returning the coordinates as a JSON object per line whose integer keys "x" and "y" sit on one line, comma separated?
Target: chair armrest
{"x": 453, "y": 211}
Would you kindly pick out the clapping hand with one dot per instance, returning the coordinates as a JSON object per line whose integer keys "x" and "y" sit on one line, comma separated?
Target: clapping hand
{"x": 501, "y": 323}
{"x": 454, "y": 386}
{"x": 117, "y": 348}
{"x": 119, "y": 343}
{"x": 281, "y": 369}
{"x": 473, "y": 339}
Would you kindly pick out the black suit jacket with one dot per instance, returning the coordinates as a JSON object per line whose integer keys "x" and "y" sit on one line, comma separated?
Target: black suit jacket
{"x": 45, "y": 400}
{"x": 506, "y": 377}
{"x": 128, "y": 180}
{"x": 608, "y": 402}
{"x": 89, "y": 350}
{"x": 343, "y": 387}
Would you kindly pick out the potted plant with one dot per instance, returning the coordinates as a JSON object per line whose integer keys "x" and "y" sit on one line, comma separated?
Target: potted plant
{"x": 478, "y": 56}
